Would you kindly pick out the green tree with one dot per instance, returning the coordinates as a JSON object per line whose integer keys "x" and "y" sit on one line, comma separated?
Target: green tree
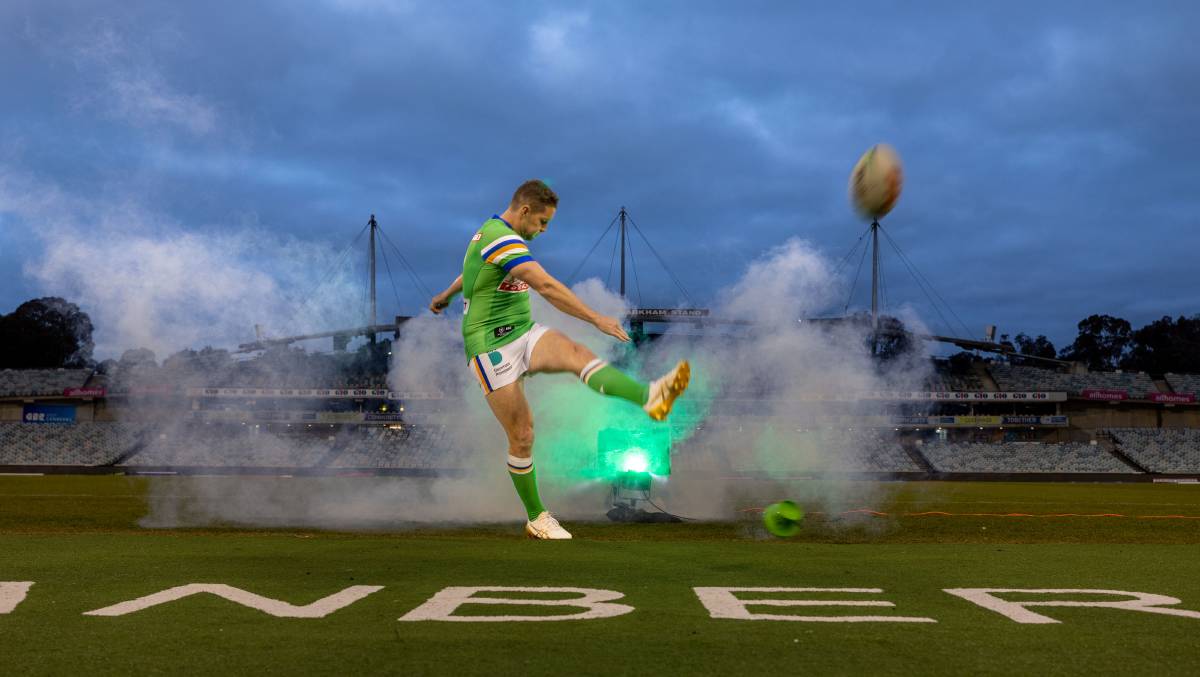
{"x": 1035, "y": 347}
{"x": 46, "y": 333}
{"x": 1166, "y": 345}
{"x": 1102, "y": 344}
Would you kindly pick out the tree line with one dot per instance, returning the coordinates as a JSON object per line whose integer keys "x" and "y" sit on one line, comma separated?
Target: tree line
{"x": 51, "y": 332}
{"x": 1107, "y": 343}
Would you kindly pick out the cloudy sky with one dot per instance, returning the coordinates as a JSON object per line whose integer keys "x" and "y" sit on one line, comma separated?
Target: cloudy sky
{"x": 1050, "y": 148}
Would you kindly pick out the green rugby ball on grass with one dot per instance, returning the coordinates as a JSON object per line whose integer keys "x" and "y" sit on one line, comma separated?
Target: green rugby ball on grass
{"x": 783, "y": 518}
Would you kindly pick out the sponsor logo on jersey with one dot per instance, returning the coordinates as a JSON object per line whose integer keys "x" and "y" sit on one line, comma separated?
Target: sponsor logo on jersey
{"x": 512, "y": 285}
{"x": 477, "y": 238}
{"x": 501, "y": 332}
{"x": 495, "y": 357}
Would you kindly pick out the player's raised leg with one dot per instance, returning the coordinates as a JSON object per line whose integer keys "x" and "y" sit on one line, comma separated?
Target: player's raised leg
{"x": 511, "y": 409}
{"x": 555, "y": 352}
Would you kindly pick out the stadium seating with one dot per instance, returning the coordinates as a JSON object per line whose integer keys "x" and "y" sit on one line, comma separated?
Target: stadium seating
{"x": 86, "y": 444}
{"x": 1184, "y": 383}
{"x": 1022, "y": 457}
{"x": 439, "y": 447}
{"x": 817, "y": 450}
{"x": 945, "y": 379}
{"x": 418, "y": 447}
{"x": 1161, "y": 450}
{"x": 223, "y": 445}
{"x": 1021, "y": 378}
{"x": 44, "y": 382}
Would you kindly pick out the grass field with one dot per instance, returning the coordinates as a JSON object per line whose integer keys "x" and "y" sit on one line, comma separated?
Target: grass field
{"x": 77, "y": 540}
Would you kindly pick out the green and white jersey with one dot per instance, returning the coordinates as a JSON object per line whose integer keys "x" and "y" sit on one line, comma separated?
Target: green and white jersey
{"x": 495, "y": 303}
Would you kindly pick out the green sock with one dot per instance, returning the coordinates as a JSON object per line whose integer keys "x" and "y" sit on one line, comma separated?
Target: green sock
{"x": 525, "y": 481}
{"x": 608, "y": 380}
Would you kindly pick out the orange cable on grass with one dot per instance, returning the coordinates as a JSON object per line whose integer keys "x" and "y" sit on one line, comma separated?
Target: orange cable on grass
{"x": 940, "y": 513}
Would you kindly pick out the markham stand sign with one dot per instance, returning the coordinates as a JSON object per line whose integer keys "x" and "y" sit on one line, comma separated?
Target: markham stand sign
{"x": 722, "y": 603}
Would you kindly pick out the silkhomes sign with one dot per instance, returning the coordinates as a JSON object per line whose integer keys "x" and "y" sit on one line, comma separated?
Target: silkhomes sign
{"x": 84, "y": 392}
{"x": 1172, "y": 398}
{"x": 1107, "y": 395}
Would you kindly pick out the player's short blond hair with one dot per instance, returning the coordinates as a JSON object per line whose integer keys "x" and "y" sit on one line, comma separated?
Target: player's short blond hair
{"x": 536, "y": 194}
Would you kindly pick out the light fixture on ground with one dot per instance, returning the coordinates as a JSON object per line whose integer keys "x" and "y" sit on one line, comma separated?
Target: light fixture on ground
{"x": 631, "y": 459}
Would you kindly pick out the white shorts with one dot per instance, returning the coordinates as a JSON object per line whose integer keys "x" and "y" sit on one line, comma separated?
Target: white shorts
{"x": 506, "y": 364}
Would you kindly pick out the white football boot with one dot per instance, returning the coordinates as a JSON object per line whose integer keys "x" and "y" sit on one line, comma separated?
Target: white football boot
{"x": 547, "y": 528}
{"x": 663, "y": 391}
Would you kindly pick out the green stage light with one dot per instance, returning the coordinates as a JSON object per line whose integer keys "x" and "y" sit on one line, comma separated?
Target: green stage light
{"x": 635, "y": 461}
{"x": 633, "y": 481}
{"x": 643, "y": 450}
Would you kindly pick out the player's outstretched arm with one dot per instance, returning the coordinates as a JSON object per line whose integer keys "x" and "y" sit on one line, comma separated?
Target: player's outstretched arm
{"x": 559, "y": 296}
{"x": 440, "y": 301}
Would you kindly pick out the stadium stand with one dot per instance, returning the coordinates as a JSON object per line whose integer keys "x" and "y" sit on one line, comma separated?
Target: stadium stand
{"x": 1184, "y": 383}
{"x": 1161, "y": 450}
{"x": 40, "y": 382}
{"x": 221, "y": 445}
{"x": 1022, "y": 378}
{"x": 1022, "y": 457}
{"x": 874, "y": 451}
{"x": 88, "y": 444}
{"x": 827, "y": 450}
{"x": 944, "y": 379}
{"x": 424, "y": 447}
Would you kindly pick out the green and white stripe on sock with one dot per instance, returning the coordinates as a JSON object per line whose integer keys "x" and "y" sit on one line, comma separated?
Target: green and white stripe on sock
{"x": 608, "y": 380}
{"x": 524, "y": 479}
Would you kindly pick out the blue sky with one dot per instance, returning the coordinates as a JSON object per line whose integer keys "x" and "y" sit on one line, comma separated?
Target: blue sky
{"x": 1050, "y": 148}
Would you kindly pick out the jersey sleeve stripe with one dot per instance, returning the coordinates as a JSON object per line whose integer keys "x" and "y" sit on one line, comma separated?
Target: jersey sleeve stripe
{"x": 503, "y": 252}
{"x": 513, "y": 263}
{"x": 499, "y": 243}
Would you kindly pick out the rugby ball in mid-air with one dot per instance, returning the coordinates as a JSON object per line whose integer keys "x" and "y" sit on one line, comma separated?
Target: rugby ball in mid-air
{"x": 876, "y": 181}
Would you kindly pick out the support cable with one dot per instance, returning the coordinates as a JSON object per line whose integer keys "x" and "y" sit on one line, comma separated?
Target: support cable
{"x": 854, "y": 285}
{"x": 391, "y": 278}
{"x": 571, "y": 277}
{"x": 661, "y": 261}
{"x": 921, "y": 285}
{"x": 303, "y": 303}
{"x": 612, "y": 261}
{"x": 842, "y": 263}
{"x": 412, "y": 273}
{"x": 917, "y": 273}
{"x": 633, "y": 265}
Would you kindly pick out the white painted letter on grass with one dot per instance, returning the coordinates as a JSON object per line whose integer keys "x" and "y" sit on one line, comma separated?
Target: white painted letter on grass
{"x": 441, "y": 607}
{"x": 722, "y": 603}
{"x": 12, "y": 594}
{"x": 1018, "y": 611}
{"x": 318, "y": 609}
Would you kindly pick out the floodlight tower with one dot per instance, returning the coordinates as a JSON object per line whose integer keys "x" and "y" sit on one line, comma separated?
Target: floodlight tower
{"x": 622, "y": 216}
{"x": 371, "y": 265}
{"x": 874, "y": 285}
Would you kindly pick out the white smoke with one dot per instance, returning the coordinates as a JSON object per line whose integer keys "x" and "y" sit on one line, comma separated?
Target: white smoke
{"x": 738, "y": 458}
{"x": 148, "y": 282}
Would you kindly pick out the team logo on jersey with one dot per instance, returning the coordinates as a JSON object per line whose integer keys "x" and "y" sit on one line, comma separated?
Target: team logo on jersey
{"x": 512, "y": 285}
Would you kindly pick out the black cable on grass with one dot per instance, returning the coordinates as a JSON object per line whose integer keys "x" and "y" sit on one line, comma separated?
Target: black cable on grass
{"x": 670, "y": 514}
